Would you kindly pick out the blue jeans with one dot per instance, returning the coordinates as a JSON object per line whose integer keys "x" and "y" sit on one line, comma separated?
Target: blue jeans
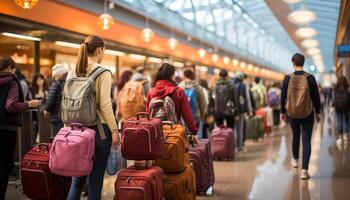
{"x": 240, "y": 130}
{"x": 102, "y": 150}
{"x": 303, "y": 127}
{"x": 342, "y": 122}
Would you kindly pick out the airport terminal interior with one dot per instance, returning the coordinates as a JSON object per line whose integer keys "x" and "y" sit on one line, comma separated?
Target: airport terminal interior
{"x": 258, "y": 45}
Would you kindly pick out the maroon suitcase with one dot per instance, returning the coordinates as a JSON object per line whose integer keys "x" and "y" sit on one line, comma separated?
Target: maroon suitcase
{"x": 139, "y": 184}
{"x": 37, "y": 180}
{"x": 222, "y": 143}
{"x": 203, "y": 166}
{"x": 142, "y": 138}
{"x": 206, "y": 142}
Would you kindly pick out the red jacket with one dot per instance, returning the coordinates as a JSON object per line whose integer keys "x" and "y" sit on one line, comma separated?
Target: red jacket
{"x": 165, "y": 88}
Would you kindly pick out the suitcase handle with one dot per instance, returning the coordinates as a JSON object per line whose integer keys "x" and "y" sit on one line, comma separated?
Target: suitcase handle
{"x": 142, "y": 114}
{"x": 80, "y": 126}
{"x": 168, "y": 123}
{"x": 43, "y": 147}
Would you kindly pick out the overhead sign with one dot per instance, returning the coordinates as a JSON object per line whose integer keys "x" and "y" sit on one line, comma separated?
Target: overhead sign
{"x": 344, "y": 50}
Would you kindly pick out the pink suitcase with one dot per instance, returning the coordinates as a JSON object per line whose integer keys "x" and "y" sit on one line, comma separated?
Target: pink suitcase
{"x": 222, "y": 143}
{"x": 72, "y": 152}
{"x": 142, "y": 138}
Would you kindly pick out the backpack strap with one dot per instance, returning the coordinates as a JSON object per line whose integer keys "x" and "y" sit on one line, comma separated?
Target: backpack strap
{"x": 93, "y": 75}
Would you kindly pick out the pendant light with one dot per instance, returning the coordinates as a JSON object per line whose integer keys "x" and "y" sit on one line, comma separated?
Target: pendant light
{"x": 310, "y": 43}
{"x": 105, "y": 20}
{"x": 172, "y": 41}
{"x": 226, "y": 60}
{"x": 292, "y": 1}
{"x": 26, "y": 4}
{"x": 147, "y": 33}
{"x": 306, "y": 32}
{"x": 302, "y": 16}
{"x": 202, "y": 53}
{"x": 215, "y": 58}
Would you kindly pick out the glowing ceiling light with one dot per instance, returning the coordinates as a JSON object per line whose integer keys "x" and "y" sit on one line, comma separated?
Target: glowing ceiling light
{"x": 105, "y": 21}
{"x": 172, "y": 42}
{"x": 147, "y": 34}
{"x": 317, "y": 57}
{"x": 302, "y": 17}
{"x": 24, "y": 37}
{"x": 306, "y": 32}
{"x": 292, "y": 1}
{"x": 313, "y": 51}
{"x": 26, "y": 4}
{"x": 235, "y": 62}
{"x": 203, "y": 68}
{"x": 256, "y": 69}
{"x": 215, "y": 58}
{"x": 243, "y": 65}
{"x": 155, "y": 60}
{"x": 226, "y": 60}
{"x": 310, "y": 43}
{"x": 250, "y": 67}
{"x": 202, "y": 52}
{"x": 137, "y": 57}
{"x": 114, "y": 53}
{"x": 179, "y": 64}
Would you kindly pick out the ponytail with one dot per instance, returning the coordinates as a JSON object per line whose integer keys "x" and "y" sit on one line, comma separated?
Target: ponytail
{"x": 82, "y": 61}
{"x": 87, "y": 48}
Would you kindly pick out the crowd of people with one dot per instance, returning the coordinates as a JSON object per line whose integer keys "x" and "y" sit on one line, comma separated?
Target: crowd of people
{"x": 229, "y": 102}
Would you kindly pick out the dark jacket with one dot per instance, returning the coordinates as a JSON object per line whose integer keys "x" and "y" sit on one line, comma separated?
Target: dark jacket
{"x": 313, "y": 89}
{"x": 54, "y": 99}
{"x": 231, "y": 97}
{"x": 165, "y": 88}
{"x": 241, "y": 96}
{"x": 12, "y": 102}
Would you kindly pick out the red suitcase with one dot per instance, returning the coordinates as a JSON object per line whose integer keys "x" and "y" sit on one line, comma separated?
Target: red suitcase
{"x": 139, "y": 184}
{"x": 37, "y": 180}
{"x": 142, "y": 138}
{"x": 206, "y": 142}
{"x": 222, "y": 143}
{"x": 203, "y": 166}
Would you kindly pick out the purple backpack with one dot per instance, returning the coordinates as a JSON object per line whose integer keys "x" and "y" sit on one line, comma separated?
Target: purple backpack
{"x": 273, "y": 98}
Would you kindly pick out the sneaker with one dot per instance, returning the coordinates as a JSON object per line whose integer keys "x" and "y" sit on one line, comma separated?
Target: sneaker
{"x": 294, "y": 163}
{"x": 304, "y": 174}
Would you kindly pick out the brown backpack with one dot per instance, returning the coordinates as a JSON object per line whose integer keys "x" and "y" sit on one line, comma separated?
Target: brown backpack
{"x": 131, "y": 99}
{"x": 299, "y": 104}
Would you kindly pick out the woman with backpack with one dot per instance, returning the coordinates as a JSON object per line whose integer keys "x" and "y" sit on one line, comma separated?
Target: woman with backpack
{"x": 341, "y": 103}
{"x": 12, "y": 104}
{"x": 165, "y": 86}
{"x": 90, "y": 55}
{"x": 274, "y": 101}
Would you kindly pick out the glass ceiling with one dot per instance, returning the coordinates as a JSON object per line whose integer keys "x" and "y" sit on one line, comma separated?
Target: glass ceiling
{"x": 247, "y": 29}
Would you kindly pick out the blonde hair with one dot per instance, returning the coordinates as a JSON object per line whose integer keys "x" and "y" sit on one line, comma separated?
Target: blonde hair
{"x": 87, "y": 48}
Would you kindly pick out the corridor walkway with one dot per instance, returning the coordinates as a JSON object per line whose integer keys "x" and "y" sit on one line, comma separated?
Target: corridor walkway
{"x": 264, "y": 171}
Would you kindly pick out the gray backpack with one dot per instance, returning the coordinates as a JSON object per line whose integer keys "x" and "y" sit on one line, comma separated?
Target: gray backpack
{"x": 79, "y": 101}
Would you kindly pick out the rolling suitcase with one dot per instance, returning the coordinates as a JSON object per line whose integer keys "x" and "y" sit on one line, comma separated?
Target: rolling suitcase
{"x": 222, "y": 143}
{"x": 201, "y": 164}
{"x": 176, "y": 157}
{"x": 209, "y": 156}
{"x": 139, "y": 184}
{"x": 180, "y": 186}
{"x": 37, "y": 180}
{"x": 142, "y": 138}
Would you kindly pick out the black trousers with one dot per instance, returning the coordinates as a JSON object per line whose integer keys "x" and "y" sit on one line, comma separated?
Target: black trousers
{"x": 276, "y": 117}
{"x": 304, "y": 128}
{"x": 7, "y": 149}
{"x": 230, "y": 121}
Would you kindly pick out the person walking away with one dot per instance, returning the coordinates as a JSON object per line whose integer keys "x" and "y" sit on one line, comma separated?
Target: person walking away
{"x": 90, "y": 55}
{"x": 122, "y": 80}
{"x": 209, "y": 119}
{"x": 54, "y": 98}
{"x": 242, "y": 96}
{"x": 225, "y": 105}
{"x": 274, "y": 101}
{"x": 164, "y": 87}
{"x": 259, "y": 93}
{"x": 300, "y": 101}
{"x": 12, "y": 104}
{"x": 341, "y": 103}
{"x": 140, "y": 77}
{"x": 196, "y": 97}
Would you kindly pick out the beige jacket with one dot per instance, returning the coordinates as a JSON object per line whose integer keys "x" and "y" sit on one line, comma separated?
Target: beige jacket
{"x": 103, "y": 86}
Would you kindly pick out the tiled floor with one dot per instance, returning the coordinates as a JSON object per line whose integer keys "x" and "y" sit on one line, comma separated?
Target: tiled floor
{"x": 264, "y": 172}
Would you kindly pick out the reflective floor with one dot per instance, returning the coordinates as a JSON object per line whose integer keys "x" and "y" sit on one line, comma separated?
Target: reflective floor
{"x": 264, "y": 171}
